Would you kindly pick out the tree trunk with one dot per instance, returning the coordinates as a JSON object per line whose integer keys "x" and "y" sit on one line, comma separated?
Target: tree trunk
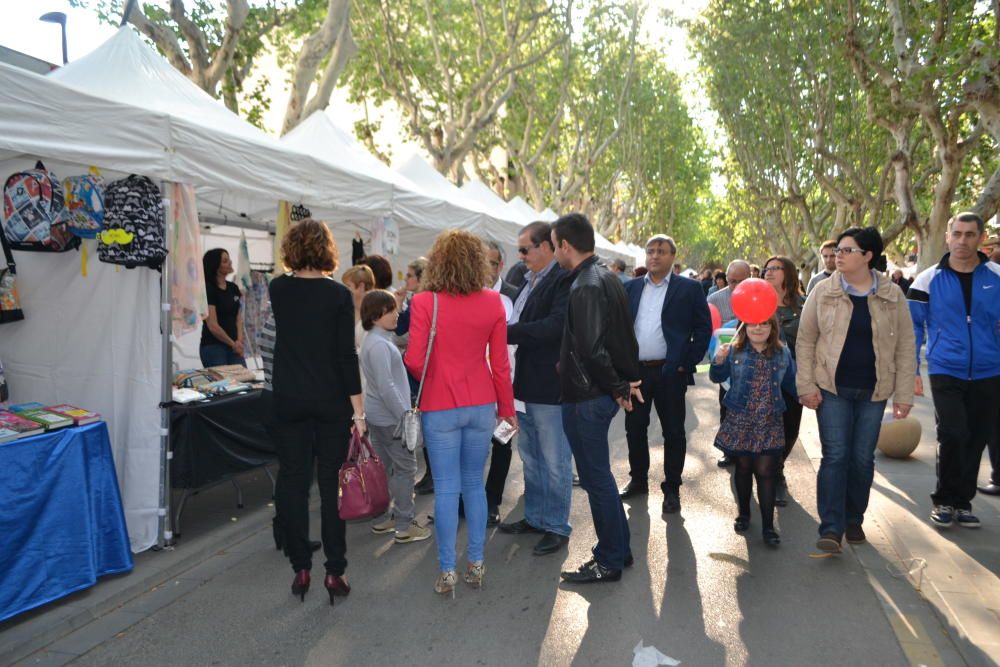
{"x": 933, "y": 244}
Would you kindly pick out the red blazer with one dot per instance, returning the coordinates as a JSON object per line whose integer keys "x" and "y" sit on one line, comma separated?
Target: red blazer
{"x": 458, "y": 375}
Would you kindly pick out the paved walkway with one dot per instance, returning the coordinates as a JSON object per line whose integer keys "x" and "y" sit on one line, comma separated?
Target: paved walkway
{"x": 699, "y": 593}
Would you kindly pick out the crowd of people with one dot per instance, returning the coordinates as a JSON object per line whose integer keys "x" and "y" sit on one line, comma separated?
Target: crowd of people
{"x": 564, "y": 343}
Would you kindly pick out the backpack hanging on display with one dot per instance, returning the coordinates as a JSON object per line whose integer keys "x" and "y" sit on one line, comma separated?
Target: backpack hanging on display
{"x": 85, "y": 204}
{"x": 134, "y": 224}
{"x": 34, "y": 212}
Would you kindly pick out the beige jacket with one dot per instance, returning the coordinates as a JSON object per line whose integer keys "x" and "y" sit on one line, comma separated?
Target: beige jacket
{"x": 823, "y": 329}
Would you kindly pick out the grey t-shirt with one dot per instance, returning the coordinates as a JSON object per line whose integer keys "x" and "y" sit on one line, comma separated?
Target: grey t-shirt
{"x": 387, "y": 391}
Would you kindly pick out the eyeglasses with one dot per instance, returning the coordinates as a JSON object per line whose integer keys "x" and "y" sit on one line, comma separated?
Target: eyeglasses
{"x": 848, "y": 251}
{"x": 524, "y": 250}
{"x": 771, "y": 269}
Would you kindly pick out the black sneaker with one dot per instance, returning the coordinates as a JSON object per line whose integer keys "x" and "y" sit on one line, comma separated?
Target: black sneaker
{"x": 943, "y": 516}
{"x": 966, "y": 519}
{"x": 591, "y": 572}
{"x": 424, "y": 486}
{"x": 671, "y": 502}
{"x": 855, "y": 534}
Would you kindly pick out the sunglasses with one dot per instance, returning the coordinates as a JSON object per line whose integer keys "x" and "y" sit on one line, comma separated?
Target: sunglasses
{"x": 524, "y": 250}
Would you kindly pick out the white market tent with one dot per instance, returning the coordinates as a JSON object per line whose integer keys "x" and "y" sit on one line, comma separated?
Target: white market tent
{"x": 96, "y": 341}
{"x": 495, "y": 225}
{"x": 420, "y": 216}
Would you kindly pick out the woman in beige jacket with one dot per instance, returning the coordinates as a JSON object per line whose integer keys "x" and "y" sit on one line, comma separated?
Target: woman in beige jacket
{"x": 855, "y": 350}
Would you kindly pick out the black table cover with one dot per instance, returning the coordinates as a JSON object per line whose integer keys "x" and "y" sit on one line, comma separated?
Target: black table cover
{"x": 216, "y": 439}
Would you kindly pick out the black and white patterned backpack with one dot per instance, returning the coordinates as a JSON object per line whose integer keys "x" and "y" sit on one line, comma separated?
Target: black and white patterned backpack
{"x": 134, "y": 231}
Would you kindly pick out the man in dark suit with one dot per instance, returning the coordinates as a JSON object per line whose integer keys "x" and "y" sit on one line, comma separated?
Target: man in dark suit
{"x": 536, "y": 328}
{"x": 673, "y": 326}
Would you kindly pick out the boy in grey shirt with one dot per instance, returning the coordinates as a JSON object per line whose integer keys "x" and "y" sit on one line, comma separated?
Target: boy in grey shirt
{"x": 387, "y": 397}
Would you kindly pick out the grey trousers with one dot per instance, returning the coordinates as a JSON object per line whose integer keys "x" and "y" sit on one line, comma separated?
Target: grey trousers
{"x": 401, "y": 469}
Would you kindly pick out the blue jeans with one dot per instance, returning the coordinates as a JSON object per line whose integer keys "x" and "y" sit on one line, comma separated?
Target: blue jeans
{"x": 218, "y": 354}
{"x": 849, "y": 424}
{"x": 458, "y": 441}
{"x": 548, "y": 468}
{"x": 586, "y": 425}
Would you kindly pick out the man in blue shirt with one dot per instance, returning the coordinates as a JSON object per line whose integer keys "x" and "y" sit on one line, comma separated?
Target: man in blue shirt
{"x": 957, "y": 302}
{"x": 673, "y": 326}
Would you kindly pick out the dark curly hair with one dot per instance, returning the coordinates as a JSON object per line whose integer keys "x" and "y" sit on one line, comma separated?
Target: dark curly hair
{"x": 309, "y": 245}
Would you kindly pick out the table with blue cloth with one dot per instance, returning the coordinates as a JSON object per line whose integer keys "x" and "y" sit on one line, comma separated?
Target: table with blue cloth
{"x": 61, "y": 519}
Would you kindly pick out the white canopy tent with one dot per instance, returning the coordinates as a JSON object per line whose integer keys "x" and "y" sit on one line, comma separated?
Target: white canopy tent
{"x": 491, "y": 224}
{"x": 102, "y": 341}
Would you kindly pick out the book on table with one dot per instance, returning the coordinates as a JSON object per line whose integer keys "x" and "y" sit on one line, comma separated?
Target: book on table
{"x": 79, "y": 416}
{"x": 13, "y": 426}
{"x": 21, "y": 407}
{"x": 48, "y": 419}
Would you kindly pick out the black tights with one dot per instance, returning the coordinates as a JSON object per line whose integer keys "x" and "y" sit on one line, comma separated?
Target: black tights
{"x": 766, "y": 469}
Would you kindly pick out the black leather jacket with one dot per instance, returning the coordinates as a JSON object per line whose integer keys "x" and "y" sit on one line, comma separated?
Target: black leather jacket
{"x": 599, "y": 354}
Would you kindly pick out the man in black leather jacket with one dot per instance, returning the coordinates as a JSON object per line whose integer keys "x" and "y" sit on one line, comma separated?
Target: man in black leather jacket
{"x": 598, "y": 373}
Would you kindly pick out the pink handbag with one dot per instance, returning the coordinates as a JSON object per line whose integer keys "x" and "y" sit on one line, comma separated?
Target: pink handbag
{"x": 364, "y": 488}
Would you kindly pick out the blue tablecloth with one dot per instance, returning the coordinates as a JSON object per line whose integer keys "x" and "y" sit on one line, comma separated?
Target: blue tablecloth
{"x": 61, "y": 519}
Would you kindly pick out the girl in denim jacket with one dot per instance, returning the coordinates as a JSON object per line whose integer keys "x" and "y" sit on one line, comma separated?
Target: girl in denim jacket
{"x": 759, "y": 366}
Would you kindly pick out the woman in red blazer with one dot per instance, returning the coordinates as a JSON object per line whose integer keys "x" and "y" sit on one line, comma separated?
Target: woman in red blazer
{"x": 466, "y": 389}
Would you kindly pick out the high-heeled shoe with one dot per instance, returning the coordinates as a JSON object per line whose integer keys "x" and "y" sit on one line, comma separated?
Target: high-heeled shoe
{"x": 445, "y": 583}
{"x": 300, "y": 585}
{"x": 336, "y": 586}
{"x": 474, "y": 574}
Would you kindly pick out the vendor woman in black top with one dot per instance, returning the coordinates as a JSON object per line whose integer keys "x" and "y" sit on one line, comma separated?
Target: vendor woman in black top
{"x": 221, "y": 335}
{"x": 317, "y": 398}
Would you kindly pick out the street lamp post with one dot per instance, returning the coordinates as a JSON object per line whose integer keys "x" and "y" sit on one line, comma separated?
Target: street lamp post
{"x": 60, "y": 18}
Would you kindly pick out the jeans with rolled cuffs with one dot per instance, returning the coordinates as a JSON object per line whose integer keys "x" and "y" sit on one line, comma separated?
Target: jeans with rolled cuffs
{"x": 849, "y": 424}
{"x": 548, "y": 468}
{"x": 458, "y": 441}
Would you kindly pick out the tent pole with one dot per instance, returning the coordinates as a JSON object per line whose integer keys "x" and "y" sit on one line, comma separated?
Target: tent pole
{"x": 165, "y": 536}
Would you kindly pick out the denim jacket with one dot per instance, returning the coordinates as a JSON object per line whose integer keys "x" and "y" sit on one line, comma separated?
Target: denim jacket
{"x": 737, "y": 368}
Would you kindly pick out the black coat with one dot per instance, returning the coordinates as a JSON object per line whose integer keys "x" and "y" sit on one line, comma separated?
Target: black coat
{"x": 538, "y": 334}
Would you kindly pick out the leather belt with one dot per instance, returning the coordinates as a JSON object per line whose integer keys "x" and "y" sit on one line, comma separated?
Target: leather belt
{"x": 656, "y": 363}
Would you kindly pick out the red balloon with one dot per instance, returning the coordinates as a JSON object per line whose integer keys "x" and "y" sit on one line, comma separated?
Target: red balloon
{"x": 716, "y": 316}
{"x": 754, "y": 301}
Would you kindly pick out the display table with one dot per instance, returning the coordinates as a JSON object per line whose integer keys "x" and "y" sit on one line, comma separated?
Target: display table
{"x": 218, "y": 438}
{"x": 61, "y": 519}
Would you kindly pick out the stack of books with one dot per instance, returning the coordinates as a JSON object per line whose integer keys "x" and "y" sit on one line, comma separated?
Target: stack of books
{"x": 24, "y": 419}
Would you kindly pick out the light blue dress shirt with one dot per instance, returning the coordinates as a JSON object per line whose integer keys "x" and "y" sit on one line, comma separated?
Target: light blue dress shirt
{"x": 649, "y": 322}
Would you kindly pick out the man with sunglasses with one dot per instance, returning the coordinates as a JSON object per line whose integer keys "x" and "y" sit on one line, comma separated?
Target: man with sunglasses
{"x": 536, "y": 327}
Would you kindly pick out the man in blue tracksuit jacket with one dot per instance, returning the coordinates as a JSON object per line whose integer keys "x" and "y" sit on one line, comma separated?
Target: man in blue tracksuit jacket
{"x": 958, "y": 303}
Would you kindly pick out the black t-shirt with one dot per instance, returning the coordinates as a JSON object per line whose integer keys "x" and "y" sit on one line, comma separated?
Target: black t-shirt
{"x": 965, "y": 279}
{"x": 314, "y": 354}
{"x": 227, "y": 308}
{"x": 856, "y": 368}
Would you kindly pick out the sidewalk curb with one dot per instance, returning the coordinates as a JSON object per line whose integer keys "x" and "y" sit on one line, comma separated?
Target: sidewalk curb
{"x": 109, "y": 593}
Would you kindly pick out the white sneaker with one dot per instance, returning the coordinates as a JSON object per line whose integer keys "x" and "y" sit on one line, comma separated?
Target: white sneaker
{"x": 414, "y": 533}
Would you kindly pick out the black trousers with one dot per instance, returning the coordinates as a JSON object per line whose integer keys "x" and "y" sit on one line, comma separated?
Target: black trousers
{"x": 791, "y": 419}
{"x": 496, "y": 480}
{"x": 666, "y": 393}
{"x": 994, "y": 448}
{"x": 308, "y": 431}
{"x": 965, "y": 412}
